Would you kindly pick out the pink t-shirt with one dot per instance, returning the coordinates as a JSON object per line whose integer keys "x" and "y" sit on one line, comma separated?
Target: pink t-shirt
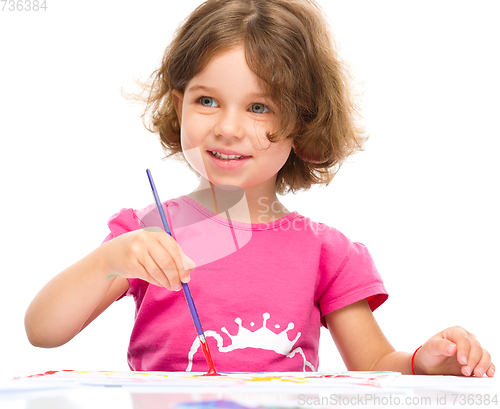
{"x": 261, "y": 291}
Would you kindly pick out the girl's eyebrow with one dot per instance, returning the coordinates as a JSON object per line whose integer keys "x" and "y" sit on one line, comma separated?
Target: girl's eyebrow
{"x": 197, "y": 87}
{"x": 202, "y": 87}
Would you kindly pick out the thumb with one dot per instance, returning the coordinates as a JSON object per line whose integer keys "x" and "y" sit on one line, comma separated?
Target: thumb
{"x": 188, "y": 263}
{"x": 444, "y": 347}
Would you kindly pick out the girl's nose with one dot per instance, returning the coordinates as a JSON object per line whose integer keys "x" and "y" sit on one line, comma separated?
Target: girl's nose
{"x": 229, "y": 124}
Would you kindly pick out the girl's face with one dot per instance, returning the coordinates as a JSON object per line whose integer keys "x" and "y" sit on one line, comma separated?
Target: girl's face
{"x": 226, "y": 109}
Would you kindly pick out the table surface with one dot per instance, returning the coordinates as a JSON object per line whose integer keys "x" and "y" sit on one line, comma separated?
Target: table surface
{"x": 274, "y": 392}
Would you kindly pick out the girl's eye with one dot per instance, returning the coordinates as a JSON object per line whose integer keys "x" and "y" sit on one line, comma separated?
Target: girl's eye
{"x": 259, "y": 109}
{"x": 208, "y": 102}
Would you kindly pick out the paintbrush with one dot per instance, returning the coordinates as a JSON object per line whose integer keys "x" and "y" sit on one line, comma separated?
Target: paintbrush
{"x": 185, "y": 288}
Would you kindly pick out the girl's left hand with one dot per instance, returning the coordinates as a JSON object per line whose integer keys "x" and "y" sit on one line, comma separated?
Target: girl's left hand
{"x": 453, "y": 351}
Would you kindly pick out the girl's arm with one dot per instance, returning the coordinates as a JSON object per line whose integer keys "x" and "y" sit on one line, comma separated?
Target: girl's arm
{"x": 70, "y": 301}
{"x": 359, "y": 339}
{"x": 364, "y": 347}
{"x": 77, "y": 295}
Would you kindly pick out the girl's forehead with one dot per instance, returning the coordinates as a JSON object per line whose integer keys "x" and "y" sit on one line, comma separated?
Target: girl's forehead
{"x": 229, "y": 57}
{"x": 227, "y": 68}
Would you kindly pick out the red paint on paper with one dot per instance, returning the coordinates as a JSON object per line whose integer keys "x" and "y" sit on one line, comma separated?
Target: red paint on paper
{"x": 38, "y": 375}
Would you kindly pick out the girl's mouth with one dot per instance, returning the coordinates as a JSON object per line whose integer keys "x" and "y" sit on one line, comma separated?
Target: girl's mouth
{"x": 228, "y": 162}
{"x": 221, "y": 156}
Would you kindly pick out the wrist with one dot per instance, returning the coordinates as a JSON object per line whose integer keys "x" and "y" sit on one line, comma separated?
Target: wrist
{"x": 416, "y": 369}
{"x": 98, "y": 263}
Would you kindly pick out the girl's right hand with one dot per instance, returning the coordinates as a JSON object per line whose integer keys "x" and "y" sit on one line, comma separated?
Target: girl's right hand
{"x": 149, "y": 254}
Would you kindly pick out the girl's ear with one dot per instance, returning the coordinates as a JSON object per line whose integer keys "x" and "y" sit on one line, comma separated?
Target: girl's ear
{"x": 178, "y": 97}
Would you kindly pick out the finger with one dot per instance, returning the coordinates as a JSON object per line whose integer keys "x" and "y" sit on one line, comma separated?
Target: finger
{"x": 153, "y": 273}
{"x": 188, "y": 266}
{"x": 483, "y": 365}
{"x": 183, "y": 264}
{"x": 461, "y": 338}
{"x": 442, "y": 347}
{"x": 475, "y": 355}
{"x": 491, "y": 371}
{"x": 144, "y": 274}
{"x": 164, "y": 269}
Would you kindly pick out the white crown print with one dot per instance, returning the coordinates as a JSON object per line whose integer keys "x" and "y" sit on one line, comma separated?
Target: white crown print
{"x": 263, "y": 338}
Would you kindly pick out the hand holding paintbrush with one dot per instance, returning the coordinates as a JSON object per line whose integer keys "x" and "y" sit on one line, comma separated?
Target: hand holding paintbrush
{"x": 185, "y": 287}
{"x": 149, "y": 255}
{"x": 156, "y": 258}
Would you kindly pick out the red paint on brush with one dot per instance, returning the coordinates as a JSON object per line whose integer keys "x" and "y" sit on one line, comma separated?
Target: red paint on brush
{"x": 210, "y": 360}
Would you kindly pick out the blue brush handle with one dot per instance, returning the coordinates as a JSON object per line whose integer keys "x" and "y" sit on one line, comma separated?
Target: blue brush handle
{"x": 185, "y": 287}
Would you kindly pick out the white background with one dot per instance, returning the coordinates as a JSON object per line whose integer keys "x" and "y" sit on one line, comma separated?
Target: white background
{"x": 423, "y": 196}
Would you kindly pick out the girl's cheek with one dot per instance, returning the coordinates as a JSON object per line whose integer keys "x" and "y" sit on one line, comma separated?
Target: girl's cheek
{"x": 190, "y": 132}
{"x": 191, "y": 146}
{"x": 195, "y": 159}
{"x": 195, "y": 127}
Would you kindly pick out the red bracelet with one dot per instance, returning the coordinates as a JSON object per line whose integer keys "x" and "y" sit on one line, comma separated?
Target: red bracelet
{"x": 413, "y": 359}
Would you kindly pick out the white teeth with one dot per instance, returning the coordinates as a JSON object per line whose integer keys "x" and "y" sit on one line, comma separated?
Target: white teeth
{"x": 226, "y": 157}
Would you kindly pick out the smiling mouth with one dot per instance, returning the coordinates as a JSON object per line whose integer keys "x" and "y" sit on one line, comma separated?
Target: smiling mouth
{"x": 221, "y": 156}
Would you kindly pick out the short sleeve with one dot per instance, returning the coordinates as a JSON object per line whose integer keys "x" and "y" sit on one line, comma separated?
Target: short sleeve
{"x": 120, "y": 223}
{"x": 353, "y": 279}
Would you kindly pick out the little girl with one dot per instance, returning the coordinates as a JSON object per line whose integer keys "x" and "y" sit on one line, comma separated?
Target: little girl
{"x": 252, "y": 96}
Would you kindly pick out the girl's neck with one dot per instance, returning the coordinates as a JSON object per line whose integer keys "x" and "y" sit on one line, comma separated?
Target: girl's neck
{"x": 247, "y": 206}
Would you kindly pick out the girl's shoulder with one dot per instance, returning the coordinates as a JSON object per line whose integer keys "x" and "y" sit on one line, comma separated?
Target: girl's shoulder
{"x": 322, "y": 230}
{"x": 321, "y": 234}
{"x": 129, "y": 219}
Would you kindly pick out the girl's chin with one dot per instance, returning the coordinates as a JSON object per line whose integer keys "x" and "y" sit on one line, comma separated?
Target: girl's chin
{"x": 225, "y": 185}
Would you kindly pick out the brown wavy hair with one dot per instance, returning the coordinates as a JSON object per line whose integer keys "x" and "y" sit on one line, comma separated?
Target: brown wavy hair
{"x": 288, "y": 45}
